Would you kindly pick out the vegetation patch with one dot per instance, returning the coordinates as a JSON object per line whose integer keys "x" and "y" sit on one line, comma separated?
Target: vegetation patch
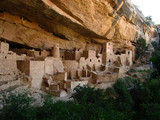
{"x": 140, "y": 48}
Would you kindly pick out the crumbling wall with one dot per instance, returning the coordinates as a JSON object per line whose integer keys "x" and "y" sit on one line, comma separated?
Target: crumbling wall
{"x": 71, "y": 66}
{"x": 8, "y": 63}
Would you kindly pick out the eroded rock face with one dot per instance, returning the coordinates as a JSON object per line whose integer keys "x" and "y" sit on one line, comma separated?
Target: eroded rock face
{"x": 73, "y": 23}
{"x": 23, "y": 32}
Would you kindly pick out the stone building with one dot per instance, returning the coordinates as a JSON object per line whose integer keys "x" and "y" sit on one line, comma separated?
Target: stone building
{"x": 9, "y": 75}
{"x": 37, "y": 68}
{"x": 31, "y": 53}
{"x": 109, "y": 58}
{"x": 72, "y": 54}
{"x": 7, "y": 60}
{"x": 55, "y": 51}
{"x": 52, "y": 73}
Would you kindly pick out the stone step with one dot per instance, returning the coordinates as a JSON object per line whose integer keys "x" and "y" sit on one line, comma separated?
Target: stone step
{"x": 11, "y": 88}
{"x": 104, "y": 85}
{"x": 9, "y": 84}
{"x": 6, "y": 77}
{"x": 3, "y": 82}
{"x": 57, "y": 93}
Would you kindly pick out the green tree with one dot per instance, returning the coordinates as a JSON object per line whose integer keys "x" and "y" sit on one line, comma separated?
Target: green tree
{"x": 149, "y": 18}
{"x": 140, "y": 48}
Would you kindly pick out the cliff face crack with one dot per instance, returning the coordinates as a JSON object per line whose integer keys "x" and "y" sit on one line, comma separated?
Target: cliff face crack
{"x": 60, "y": 36}
{"x": 66, "y": 11}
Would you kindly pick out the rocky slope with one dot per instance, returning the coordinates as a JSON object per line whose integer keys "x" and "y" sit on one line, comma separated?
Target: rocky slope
{"x": 72, "y": 23}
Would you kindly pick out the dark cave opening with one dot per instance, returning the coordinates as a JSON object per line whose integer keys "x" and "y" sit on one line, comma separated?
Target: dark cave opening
{"x": 14, "y": 45}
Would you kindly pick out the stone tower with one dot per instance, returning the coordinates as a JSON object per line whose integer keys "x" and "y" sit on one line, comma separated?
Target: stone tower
{"x": 107, "y": 53}
{"x": 55, "y": 51}
{"x": 4, "y": 47}
{"x": 129, "y": 56}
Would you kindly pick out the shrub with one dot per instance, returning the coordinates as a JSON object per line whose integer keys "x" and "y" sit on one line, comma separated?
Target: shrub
{"x": 156, "y": 63}
{"x": 124, "y": 99}
{"x": 88, "y": 95}
{"x": 140, "y": 48}
{"x": 135, "y": 76}
{"x": 17, "y": 106}
{"x": 152, "y": 91}
{"x": 46, "y": 109}
{"x": 128, "y": 82}
{"x": 111, "y": 102}
{"x": 155, "y": 60}
{"x": 149, "y": 111}
{"x": 110, "y": 93}
{"x": 155, "y": 44}
{"x": 132, "y": 70}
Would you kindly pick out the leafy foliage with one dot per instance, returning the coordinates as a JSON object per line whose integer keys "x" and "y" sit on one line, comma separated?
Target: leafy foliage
{"x": 17, "y": 106}
{"x": 140, "y": 48}
{"x": 149, "y": 111}
{"x": 155, "y": 60}
{"x": 128, "y": 99}
{"x": 149, "y": 18}
{"x": 88, "y": 95}
{"x": 155, "y": 44}
{"x": 132, "y": 70}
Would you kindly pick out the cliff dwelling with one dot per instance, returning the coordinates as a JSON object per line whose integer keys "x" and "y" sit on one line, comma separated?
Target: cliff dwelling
{"x": 52, "y": 72}
{"x": 55, "y": 45}
{"x": 79, "y": 60}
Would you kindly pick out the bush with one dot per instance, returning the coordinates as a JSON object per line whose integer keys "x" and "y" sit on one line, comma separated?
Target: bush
{"x": 124, "y": 99}
{"x": 135, "y": 76}
{"x": 145, "y": 95}
{"x": 88, "y": 95}
{"x": 140, "y": 48}
{"x": 17, "y": 106}
{"x": 128, "y": 82}
{"x": 155, "y": 60}
{"x": 152, "y": 91}
{"x": 110, "y": 102}
{"x": 132, "y": 70}
{"x": 149, "y": 111}
{"x": 156, "y": 63}
{"x": 155, "y": 44}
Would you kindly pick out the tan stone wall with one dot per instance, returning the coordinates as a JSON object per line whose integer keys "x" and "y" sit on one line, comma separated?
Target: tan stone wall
{"x": 107, "y": 53}
{"x": 53, "y": 65}
{"x": 4, "y": 47}
{"x": 72, "y": 84}
{"x": 122, "y": 59}
{"x": 71, "y": 66}
{"x": 106, "y": 77}
{"x": 7, "y": 66}
{"x": 60, "y": 77}
{"x": 8, "y": 63}
{"x": 82, "y": 63}
{"x": 90, "y": 61}
{"x": 44, "y": 53}
{"x": 58, "y": 65}
{"x": 49, "y": 66}
{"x": 37, "y": 73}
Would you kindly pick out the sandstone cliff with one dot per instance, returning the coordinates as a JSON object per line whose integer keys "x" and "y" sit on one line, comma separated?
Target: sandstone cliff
{"x": 72, "y": 23}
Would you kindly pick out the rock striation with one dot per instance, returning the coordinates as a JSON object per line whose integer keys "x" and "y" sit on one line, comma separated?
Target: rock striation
{"x": 74, "y": 23}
